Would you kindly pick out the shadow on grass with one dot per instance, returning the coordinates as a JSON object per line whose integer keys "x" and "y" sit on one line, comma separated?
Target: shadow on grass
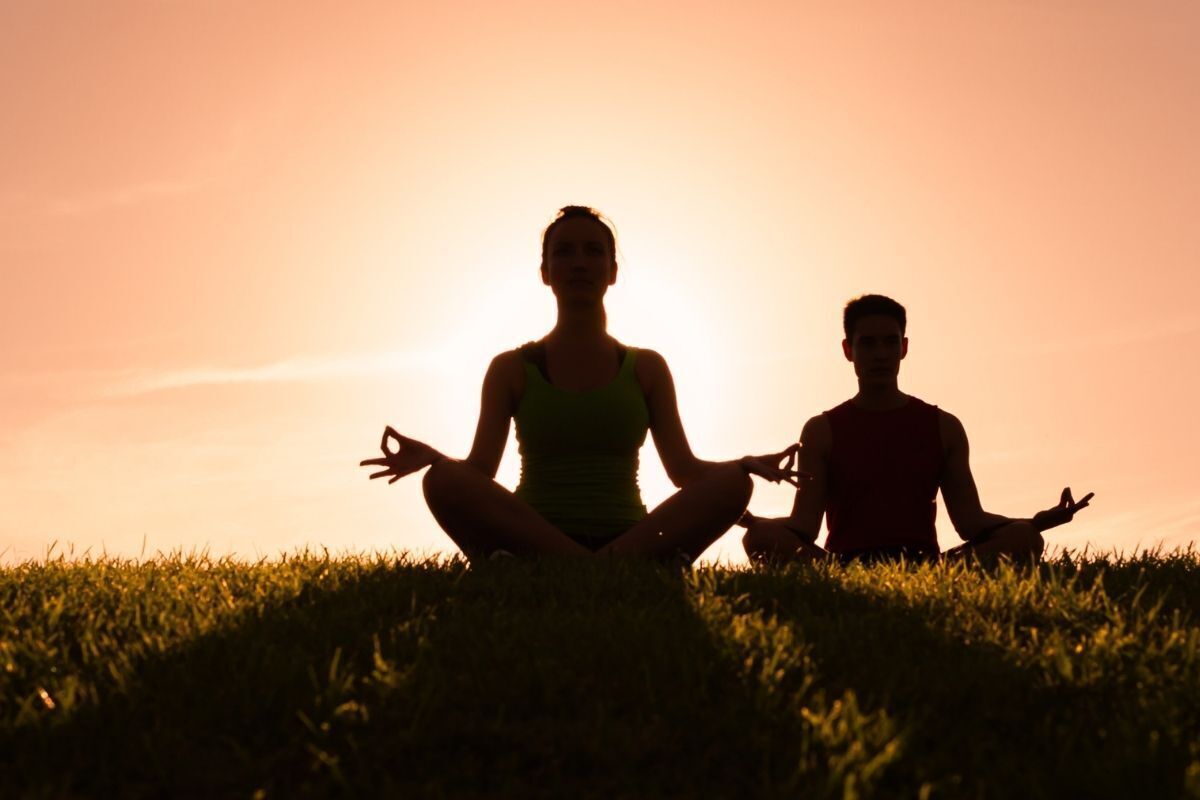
{"x": 517, "y": 679}
{"x": 532, "y": 679}
{"x": 973, "y": 721}
{"x": 220, "y": 715}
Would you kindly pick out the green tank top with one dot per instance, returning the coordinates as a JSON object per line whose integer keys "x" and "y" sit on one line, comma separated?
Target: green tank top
{"x": 579, "y": 453}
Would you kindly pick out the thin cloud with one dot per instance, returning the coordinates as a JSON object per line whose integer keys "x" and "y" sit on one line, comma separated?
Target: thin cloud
{"x": 1146, "y": 331}
{"x": 202, "y": 173}
{"x": 286, "y": 371}
{"x": 127, "y": 196}
{"x": 1167, "y": 525}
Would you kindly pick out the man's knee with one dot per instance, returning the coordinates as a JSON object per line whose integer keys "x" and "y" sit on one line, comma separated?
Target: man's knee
{"x": 758, "y": 542}
{"x": 769, "y": 540}
{"x": 752, "y": 542}
{"x": 1021, "y": 540}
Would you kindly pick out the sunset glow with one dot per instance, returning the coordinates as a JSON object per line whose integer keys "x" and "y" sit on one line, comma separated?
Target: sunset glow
{"x": 238, "y": 239}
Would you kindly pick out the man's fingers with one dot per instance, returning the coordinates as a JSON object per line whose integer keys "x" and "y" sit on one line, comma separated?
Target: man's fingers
{"x": 1087, "y": 498}
{"x": 1065, "y": 500}
{"x": 393, "y": 480}
{"x": 371, "y": 462}
{"x": 380, "y": 474}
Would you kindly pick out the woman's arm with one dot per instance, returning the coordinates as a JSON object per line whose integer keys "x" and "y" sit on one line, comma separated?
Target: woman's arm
{"x": 680, "y": 462}
{"x": 502, "y": 386}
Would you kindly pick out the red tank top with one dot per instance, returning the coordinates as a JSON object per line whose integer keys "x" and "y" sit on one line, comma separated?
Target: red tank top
{"x": 884, "y": 472}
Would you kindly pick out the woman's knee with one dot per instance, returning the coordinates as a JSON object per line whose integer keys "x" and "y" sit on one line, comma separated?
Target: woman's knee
{"x": 732, "y": 483}
{"x": 442, "y": 480}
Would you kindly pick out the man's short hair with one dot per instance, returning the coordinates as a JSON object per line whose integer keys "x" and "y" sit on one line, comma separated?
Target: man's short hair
{"x": 870, "y": 304}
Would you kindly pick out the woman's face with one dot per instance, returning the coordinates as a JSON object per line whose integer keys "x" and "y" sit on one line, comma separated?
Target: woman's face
{"x": 579, "y": 262}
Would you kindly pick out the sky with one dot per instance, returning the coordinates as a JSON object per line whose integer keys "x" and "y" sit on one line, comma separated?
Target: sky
{"x": 239, "y": 238}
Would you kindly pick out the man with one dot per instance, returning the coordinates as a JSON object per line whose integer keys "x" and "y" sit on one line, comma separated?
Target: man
{"x": 876, "y": 464}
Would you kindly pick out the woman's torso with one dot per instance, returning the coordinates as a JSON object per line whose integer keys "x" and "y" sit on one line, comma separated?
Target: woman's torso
{"x": 579, "y": 450}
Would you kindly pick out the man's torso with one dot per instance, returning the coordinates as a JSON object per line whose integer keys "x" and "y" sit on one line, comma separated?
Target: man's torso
{"x": 884, "y": 469}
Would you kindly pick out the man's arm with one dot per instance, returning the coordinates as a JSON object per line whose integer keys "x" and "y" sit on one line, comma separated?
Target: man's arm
{"x": 809, "y": 504}
{"x": 962, "y": 498}
{"x": 958, "y": 484}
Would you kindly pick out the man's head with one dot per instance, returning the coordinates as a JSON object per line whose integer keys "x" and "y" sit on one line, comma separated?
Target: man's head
{"x": 875, "y": 340}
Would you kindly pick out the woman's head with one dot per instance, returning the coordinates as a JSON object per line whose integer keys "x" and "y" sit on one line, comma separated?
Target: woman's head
{"x": 579, "y": 251}
{"x": 572, "y": 213}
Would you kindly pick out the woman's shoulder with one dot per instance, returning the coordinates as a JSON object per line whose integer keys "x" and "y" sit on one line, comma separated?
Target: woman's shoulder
{"x": 515, "y": 357}
{"x": 649, "y": 366}
{"x": 646, "y": 356}
{"x": 509, "y": 367}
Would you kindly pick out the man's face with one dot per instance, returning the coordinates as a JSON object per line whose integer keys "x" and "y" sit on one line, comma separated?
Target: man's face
{"x": 876, "y": 349}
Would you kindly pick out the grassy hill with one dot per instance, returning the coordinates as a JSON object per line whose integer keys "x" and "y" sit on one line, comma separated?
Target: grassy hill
{"x": 320, "y": 676}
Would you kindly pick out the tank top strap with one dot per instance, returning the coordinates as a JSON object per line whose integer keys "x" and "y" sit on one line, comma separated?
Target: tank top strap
{"x": 628, "y": 356}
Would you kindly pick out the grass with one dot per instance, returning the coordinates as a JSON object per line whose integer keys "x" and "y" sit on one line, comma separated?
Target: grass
{"x": 319, "y": 676}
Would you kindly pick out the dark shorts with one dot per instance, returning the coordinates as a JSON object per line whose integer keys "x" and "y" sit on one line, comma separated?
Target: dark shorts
{"x": 914, "y": 555}
{"x": 888, "y": 555}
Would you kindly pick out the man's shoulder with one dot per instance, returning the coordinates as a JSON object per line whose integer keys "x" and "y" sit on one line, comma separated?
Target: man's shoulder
{"x": 951, "y": 428}
{"x": 817, "y": 430}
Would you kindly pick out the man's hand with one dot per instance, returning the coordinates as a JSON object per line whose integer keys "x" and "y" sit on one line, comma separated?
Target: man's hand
{"x": 776, "y": 467}
{"x": 1062, "y": 513}
{"x": 778, "y": 528}
{"x": 409, "y": 457}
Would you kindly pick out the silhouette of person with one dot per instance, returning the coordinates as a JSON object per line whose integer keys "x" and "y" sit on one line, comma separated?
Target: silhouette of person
{"x": 876, "y": 463}
{"x": 582, "y": 403}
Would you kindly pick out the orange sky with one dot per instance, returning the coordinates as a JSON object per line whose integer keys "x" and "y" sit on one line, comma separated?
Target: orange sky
{"x": 239, "y": 238}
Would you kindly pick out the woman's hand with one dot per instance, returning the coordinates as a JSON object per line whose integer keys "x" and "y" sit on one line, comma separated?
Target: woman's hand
{"x": 409, "y": 457}
{"x": 1062, "y": 513}
{"x": 776, "y": 467}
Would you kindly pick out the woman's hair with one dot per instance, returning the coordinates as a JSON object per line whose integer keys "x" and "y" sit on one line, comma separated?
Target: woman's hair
{"x": 572, "y": 212}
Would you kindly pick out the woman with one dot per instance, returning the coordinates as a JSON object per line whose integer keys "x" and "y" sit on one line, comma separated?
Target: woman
{"x": 582, "y": 403}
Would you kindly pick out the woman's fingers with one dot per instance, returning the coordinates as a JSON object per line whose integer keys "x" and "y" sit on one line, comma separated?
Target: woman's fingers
{"x": 380, "y": 474}
{"x": 390, "y": 433}
{"x": 797, "y": 477}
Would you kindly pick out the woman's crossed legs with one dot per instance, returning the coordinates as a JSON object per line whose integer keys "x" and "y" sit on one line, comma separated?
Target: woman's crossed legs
{"x": 481, "y": 516}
